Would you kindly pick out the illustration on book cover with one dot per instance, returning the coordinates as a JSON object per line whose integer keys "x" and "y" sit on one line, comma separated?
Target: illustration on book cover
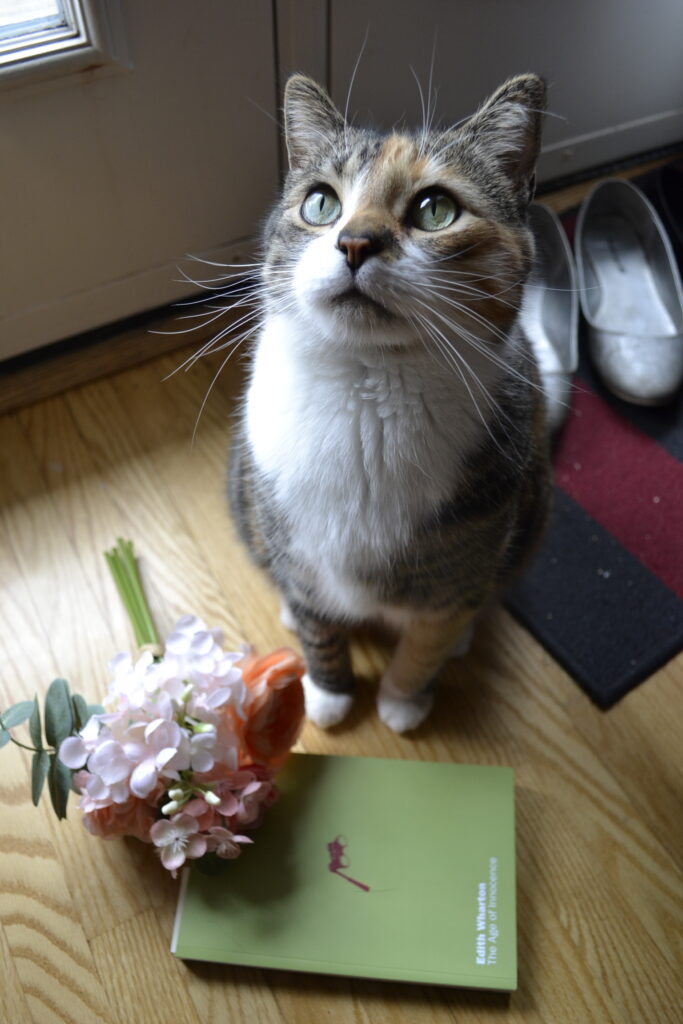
{"x": 338, "y": 860}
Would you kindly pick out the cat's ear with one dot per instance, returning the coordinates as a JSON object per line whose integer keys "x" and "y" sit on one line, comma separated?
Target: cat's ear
{"x": 509, "y": 127}
{"x": 311, "y": 118}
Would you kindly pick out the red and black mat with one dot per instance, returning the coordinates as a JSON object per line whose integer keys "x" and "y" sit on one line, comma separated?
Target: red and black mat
{"x": 605, "y": 593}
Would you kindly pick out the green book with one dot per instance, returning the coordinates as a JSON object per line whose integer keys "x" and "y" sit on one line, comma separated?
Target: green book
{"x": 372, "y": 868}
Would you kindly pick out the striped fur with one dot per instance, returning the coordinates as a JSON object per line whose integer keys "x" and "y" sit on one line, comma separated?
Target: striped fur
{"x": 392, "y": 459}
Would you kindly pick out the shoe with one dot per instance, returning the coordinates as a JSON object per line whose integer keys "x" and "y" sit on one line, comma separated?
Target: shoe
{"x": 630, "y": 294}
{"x": 550, "y": 311}
{"x": 664, "y": 188}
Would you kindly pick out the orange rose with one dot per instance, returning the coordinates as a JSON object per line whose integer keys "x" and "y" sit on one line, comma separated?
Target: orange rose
{"x": 275, "y": 710}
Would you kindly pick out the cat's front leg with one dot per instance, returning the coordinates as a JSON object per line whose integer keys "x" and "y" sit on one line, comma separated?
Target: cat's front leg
{"x": 328, "y": 684}
{"x": 406, "y": 691}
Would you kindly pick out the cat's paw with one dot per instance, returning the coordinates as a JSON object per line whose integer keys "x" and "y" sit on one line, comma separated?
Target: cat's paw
{"x": 404, "y": 713}
{"x": 323, "y": 708}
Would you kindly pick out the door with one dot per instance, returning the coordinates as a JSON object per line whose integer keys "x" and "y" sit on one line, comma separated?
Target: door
{"x": 111, "y": 173}
{"x": 613, "y": 68}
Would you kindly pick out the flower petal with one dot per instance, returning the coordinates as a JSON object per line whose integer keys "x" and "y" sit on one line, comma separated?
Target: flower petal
{"x": 144, "y": 777}
{"x": 162, "y": 832}
{"x": 72, "y": 752}
{"x": 196, "y": 847}
{"x": 172, "y": 856}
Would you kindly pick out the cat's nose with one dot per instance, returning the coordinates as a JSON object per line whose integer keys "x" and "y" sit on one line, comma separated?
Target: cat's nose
{"x": 357, "y": 248}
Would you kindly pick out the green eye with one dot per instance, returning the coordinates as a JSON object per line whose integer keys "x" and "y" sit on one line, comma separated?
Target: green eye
{"x": 321, "y": 206}
{"x": 433, "y": 210}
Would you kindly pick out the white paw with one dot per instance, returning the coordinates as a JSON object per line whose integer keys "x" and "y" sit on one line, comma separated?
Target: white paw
{"x": 286, "y": 617}
{"x": 323, "y": 708}
{"x": 404, "y": 713}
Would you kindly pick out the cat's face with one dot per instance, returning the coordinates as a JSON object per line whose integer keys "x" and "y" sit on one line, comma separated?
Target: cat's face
{"x": 403, "y": 239}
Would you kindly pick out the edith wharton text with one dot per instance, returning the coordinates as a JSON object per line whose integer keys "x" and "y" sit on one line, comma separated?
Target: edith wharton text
{"x": 487, "y": 918}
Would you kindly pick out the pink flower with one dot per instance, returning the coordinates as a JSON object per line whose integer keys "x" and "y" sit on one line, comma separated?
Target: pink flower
{"x": 178, "y": 840}
{"x": 206, "y": 816}
{"x": 223, "y": 842}
{"x": 132, "y": 818}
{"x": 163, "y": 749}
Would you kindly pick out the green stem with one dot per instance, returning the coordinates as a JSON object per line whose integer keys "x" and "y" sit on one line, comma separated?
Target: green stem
{"x": 34, "y": 750}
{"x": 124, "y": 569}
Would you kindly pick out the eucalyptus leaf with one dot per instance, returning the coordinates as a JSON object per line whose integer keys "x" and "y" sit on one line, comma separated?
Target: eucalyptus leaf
{"x": 34, "y": 726}
{"x": 80, "y": 711}
{"x": 39, "y": 769}
{"x": 16, "y": 714}
{"x": 59, "y": 719}
{"x": 95, "y": 709}
{"x": 59, "y": 784}
{"x": 4, "y": 737}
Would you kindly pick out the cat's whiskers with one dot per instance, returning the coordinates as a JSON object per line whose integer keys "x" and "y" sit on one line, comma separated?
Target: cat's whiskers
{"x": 480, "y": 345}
{"x": 467, "y": 290}
{"x": 457, "y": 361}
{"x": 478, "y": 318}
{"x": 350, "y": 89}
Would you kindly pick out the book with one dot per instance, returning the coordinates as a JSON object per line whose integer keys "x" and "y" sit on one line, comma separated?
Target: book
{"x": 372, "y": 868}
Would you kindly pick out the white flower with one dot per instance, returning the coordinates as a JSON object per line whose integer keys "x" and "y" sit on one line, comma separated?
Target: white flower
{"x": 74, "y": 750}
{"x": 162, "y": 748}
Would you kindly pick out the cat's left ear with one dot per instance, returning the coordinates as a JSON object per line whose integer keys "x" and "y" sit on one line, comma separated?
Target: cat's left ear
{"x": 509, "y": 127}
{"x": 311, "y": 118}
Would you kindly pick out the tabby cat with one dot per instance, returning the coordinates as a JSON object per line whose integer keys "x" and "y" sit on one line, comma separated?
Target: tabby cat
{"x": 391, "y": 463}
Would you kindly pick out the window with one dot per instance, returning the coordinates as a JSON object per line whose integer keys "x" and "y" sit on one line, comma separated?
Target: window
{"x": 51, "y": 41}
{"x": 30, "y": 29}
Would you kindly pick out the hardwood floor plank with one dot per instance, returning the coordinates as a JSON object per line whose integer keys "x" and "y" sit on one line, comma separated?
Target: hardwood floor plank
{"x": 128, "y": 956}
{"x": 13, "y": 1005}
{"x": 40, "y": 912}
{"x": 640, "y": 740}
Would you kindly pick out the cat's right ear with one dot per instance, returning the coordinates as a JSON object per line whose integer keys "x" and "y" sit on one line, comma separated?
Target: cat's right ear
{"x": 311, "y": 118}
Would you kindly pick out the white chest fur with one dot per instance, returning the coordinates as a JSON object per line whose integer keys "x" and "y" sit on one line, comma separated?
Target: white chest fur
{"x": 358, "y": 447}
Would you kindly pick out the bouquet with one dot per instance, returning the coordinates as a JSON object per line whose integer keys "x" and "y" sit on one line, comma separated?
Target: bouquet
{"x": 185, "y": 749}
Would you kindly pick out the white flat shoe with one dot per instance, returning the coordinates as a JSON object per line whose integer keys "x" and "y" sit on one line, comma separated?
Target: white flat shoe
{"x": 550, "y": 311}
{"x": 630, "y": 293}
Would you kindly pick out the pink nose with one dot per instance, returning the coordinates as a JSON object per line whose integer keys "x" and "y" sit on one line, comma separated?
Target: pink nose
{"x": 357, "y": 248}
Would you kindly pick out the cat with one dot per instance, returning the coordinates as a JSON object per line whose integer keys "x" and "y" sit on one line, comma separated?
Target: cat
{"x": 391, "y": 460}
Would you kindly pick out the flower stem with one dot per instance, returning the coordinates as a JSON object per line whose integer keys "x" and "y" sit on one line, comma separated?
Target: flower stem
{"x": 124, "y": 569}
{"x": 34, "y": 750}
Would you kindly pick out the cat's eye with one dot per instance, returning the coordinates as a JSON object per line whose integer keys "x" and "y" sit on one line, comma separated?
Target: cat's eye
{"x": 433, "y": 210}
{"x": 321, "y": 206}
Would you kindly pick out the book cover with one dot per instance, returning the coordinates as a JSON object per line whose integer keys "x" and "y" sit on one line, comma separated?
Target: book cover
{"x": 373, "y": 868}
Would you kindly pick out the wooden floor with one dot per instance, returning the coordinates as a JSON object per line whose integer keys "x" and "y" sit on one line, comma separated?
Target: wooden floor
{"x": 85, "y": 925}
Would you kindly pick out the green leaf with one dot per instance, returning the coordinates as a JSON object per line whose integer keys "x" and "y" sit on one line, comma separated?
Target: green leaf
{"x": 39, "y": 767}
{"x": 95, "y": 709}
{"x": 59, "y": 783}
{"x": 17, "y": 714}
{"x": 34, "y": 726}
{"x": 59, "y": 719}
{"x": 4, "y": 737}
{"x": 80, "y": 711}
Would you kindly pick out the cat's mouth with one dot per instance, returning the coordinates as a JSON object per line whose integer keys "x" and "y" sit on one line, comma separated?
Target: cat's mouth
{"x": 356, "y": 299}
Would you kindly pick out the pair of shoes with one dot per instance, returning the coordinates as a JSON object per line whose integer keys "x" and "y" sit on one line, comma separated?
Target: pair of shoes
{"x": 630, "y": 293}
{"x": 550, "y": 312}
{"x": 628, "y": 284}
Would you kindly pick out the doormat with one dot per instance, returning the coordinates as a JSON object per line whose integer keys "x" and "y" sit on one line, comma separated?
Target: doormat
{"x": 605, "y": 593}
